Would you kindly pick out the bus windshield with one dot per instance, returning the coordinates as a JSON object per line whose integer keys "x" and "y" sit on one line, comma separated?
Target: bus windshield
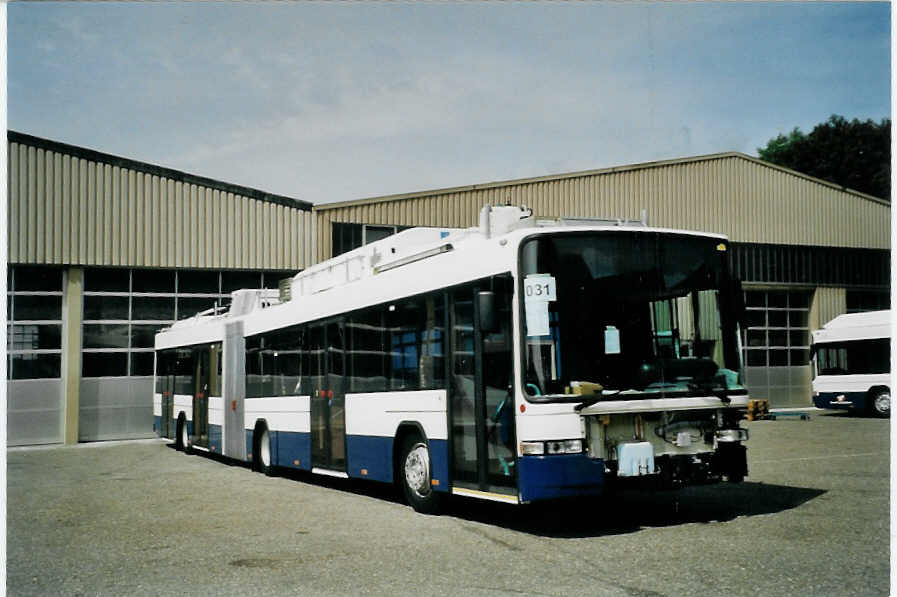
{"x": 625, "y": 312}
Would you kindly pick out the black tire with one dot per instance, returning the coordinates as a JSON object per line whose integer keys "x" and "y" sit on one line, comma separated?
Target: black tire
{"x": 880, "y": 402}
{"x": 262, "y": 456}
{"x": 415, "y": 475}
{"x": 181, "y": 436}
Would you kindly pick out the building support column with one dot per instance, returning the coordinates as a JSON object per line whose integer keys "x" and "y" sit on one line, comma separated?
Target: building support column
{"x": 72, "y": 310}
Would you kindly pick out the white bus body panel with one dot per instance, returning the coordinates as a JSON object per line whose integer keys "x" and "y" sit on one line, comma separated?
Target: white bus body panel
{"x": 379, "y": 414}
{"x": 281, "y": 413}
{"x": 183, "y": 404}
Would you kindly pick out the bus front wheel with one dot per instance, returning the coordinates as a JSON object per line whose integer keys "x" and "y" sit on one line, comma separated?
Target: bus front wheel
{"x": 415, "y": 472}
{"x": 881, "y": 402}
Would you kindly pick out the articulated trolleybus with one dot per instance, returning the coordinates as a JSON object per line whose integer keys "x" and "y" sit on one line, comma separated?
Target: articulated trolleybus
{"x": 517, "y": 361}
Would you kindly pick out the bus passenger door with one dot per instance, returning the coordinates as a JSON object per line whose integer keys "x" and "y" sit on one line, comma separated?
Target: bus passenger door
{"x": 166, "y": 371}
{"x": 202, "y": 380}
{"x": 328, "y": 398}
{"x": 482, "y": 415}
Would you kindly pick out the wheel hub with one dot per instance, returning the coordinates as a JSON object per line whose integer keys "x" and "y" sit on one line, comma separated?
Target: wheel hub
{"x": 417, "y": 471}
{"x": 883, "y": 402}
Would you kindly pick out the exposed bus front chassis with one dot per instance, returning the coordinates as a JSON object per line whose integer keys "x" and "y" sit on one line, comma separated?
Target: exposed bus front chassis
{"x": 670, "y": 449}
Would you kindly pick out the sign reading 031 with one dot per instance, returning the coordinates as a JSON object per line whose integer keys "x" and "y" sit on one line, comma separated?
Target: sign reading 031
{"x": 540, "y": 287}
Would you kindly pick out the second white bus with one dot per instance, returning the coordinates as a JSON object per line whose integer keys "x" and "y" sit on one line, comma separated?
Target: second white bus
{"x": 852, "y": 356}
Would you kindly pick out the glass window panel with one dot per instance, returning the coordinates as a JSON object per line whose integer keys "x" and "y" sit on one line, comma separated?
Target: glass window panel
{"x": 778, "y": 358}
{"x": 798, "y": 338}
{"x": 35, "y": 366}
{"x": 37, "y": 307}
{"x": 231, "y": 281}
{"x": 149, "y": 280}
{"x": 153, "y": 308}
{"x": 37, "y": 279}
{"x": 105, "y": 307}
{"x": 104, "y": 364}
{"x": 188, "y": 307}
{"x": 34, "y": 337}
{"x": 197, "y": 282}
{"x": 142, "y": 363}
{"x": 753, "y": 298}
{"x": 106, "y": 280}
{"x": 756, "y": 318}
{"x": 144, "y": 335}
{"x": 272, "y": 279}
{"x": 799, "y": 300}
{"x": 756, "y": 337}
{"x": 777, "y": 299}
{"x": 105, "y": 335}
{"x": 778, "y": 319}
{"x": 778, "y": 338}
{"x": 799, "y": 357}
{"x": 797, "y": 319}
{"x": 375, "y": 233}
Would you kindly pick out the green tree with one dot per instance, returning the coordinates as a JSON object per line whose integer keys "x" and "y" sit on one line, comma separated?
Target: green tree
{"x": 854, "y": 154}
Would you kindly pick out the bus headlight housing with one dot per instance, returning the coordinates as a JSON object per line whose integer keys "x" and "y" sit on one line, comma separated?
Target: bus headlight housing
{"x": 561, "y": 446}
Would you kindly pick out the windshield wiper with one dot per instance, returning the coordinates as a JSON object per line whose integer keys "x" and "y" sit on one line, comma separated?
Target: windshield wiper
{"x": 594, "y": 400}
{"x": 705, "y": 389}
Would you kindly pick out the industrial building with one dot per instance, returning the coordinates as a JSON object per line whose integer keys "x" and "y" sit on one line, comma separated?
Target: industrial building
{"x": 105, "y": 250}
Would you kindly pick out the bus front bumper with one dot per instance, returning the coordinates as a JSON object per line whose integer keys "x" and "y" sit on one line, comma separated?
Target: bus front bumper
{"x": 840, "y": 400}
{"x": 559, "y": 475}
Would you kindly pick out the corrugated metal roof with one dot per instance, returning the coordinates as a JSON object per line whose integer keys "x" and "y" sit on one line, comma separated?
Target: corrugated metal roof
{"x": 160, "y": 171}
{"x": 589, "y": 173}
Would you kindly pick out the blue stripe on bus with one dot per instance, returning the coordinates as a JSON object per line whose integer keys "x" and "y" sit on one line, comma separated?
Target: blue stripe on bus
{"x": 856, "y": 400}
{"x": 157, "y": 426}
{"x": 374, "y": 455}
{"x": 288, "y": 447}
{"x": 371, "y": 454}
{"x": 560, "y": 475}
{"x": 215, "y": 444}
{"x": 439, "y": 464}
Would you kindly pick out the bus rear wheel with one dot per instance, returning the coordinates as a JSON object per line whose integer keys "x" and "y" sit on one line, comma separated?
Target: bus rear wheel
{"x": 261, "y": 452}
{"x": 881, "y": 402}
{"x": 181, "y": 436}
{"x": 416, "y": 476}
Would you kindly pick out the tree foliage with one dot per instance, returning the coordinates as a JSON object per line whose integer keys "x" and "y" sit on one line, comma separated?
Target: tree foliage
{"x": 854, "y": 154}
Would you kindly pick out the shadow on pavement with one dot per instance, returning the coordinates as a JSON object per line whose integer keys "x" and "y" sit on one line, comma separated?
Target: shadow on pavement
{"x": 630, "y": 511}
{"x": 623, "y": 511}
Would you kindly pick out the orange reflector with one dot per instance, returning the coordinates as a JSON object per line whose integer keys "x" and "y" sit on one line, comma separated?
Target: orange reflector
{"x": 523, "y": 408}
{"x": 364, "y": 471}
{"x": 295, "y": 463}
{"x": 434, "y": 482}
{"x": 249, "y": 456}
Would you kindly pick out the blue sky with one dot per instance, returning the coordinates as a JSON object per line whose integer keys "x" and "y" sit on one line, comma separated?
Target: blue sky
{"x": 345, "y": 100}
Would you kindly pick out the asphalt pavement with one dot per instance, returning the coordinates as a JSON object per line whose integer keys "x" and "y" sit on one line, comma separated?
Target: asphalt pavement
{"x": 139, "y": 518}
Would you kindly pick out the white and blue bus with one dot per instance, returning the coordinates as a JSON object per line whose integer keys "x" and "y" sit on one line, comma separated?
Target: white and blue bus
{"x": 517, "y": 361}
{"x": 852, "y": 356}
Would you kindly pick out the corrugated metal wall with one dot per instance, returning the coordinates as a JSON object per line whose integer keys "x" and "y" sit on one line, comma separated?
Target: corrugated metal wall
{"x": 827, "y": 304}
{"x": 64, "y": 209}
{"x": 733, "y": 194}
